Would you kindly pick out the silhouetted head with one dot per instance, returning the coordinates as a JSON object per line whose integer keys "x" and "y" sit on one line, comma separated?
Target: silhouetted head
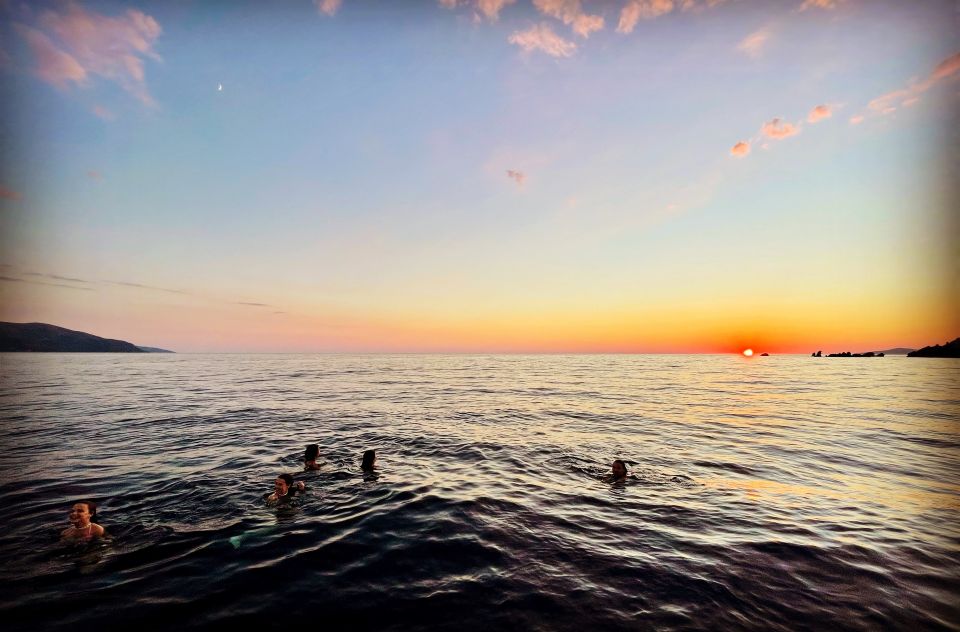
{"x": 619, "y": 469}
{"x": 311, "y": 453}
{"x": 83, "y": 513}
{"x": 369, "y": 458}
{"x": 283, "y": 484}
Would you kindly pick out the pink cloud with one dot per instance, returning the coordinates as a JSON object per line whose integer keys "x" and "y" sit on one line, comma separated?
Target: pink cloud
{"x": 94, "y": 175}
{"x": 753, "y": 44}
{"x": 570, "y": 13}
{"x": 740, "y": 149}
{"x": 52, "y": 64}
{"x": 518, "y": 176}
{"x": 946, "y": 68}
{"x": 911, "y": 101}
{"x": 818, "y": 4}
{"x": 779, "y": 130}
{"x": 327, "y": 7}
{"x": 856, "y": 120}
{"x": 103, "y": 113}
{"x": 9, "y": 194}
{"x": 541, "y": 37}
{"x": 70, "y": 44}
{"x": 888, "y": 103}
{"x": 819, "y": 113}
{"x": 636, "y": 10}
{"x": 489, "y": 9}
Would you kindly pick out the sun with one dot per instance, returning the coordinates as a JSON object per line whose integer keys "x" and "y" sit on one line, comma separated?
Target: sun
{"x": 748, "y": 352}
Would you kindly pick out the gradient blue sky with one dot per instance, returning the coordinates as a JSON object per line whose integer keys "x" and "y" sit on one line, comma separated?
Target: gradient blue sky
{"x": 348, "y": 187}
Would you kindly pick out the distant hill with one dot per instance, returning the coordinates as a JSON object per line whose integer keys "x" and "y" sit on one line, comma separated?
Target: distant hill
{"x": 896, "y": 351}
{"x": 43, "y": 337}
{"x": 948, "y": 350}
{"x": 153, "y": 349}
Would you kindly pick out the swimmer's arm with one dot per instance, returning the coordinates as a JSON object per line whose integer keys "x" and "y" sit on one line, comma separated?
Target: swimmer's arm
{"x": 272, "y": 498}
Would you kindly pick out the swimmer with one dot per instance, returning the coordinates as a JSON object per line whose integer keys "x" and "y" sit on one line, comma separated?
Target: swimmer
{"x": 369, "y": 458}
{"x": 284, "y": 488}
{"x": 310, "y": 457}
{"x": 81, "y": 517}
{"x": 618, "y": 472}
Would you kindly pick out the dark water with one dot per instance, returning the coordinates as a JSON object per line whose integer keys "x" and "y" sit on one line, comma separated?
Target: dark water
{"x": 781, "y": 493}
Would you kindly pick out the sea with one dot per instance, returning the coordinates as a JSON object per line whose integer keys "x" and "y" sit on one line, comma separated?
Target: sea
{"x": 766, "y": 493}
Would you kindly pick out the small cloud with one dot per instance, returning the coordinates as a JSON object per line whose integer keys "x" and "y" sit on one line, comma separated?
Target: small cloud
{"x": 570, "y": 13}
{"x": 888, "y": 103}
{"x": 146, "y": 287}
{"x": 636, "y": 10}
{"x": 9, "y": 194}
{"x": 279, "y": 312}
{"x": 518, "y": 176}
{"x": 489, "y": 9}
{"x": 818, "y": 4}
{"x": 779, "y": 130}
{"x": 56, "y": 277}
{"x": 819, "y": 113}
{"x": 69, "y": 287}
{"x": 95, "y": 175}
{"x": 740, "y": 149}
{"x": 252, "y": 304}
{"x": 753, "y": 44}
{"x": 70, "y": 44}
{"x": 911, "y": 101}
{"x": 541, "y": 37}
{"x": 103, "y": 113}
{"x": 327, "y": 7}
{"x": 856, "y": 120}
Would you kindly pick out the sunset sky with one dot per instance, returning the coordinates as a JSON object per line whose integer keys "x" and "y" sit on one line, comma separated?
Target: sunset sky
{"x": 483, "y": 175}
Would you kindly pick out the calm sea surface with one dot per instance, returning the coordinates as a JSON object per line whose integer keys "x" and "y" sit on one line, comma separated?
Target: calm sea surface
{"x": 778, "y": 493}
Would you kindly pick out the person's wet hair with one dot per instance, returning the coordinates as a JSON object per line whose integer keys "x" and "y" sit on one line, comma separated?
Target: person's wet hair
{"x": 288, "y": 479}
{"x": 368, "y": 458}
{"x": 311, "y": 453}
{"x": 622, "y": 464}
{"x": 91, "y": 507}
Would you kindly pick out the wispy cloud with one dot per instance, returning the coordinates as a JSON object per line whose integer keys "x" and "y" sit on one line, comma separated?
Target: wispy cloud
{"x": 888, "y": 103}
{"x": 249, "y": 304}
{"x": 489, "y": 9}
{"x": 856, "y": 120}
{"x": 541, "y": 37}
{"x": 327, "y": 7}
{"x": 570, "y": 13}
{"x": 146, "y": 287}
{"x": 818, "y": 4}
{"x": 103, "y": 113}
{"x": 56, "y": 277}
{"x": 517, "y": 176}
{"x": 9, "y": 194}
{"x": 70, "y": 44}
{"x": 636, "y": 10}
{"x": 753, "y": 44}
{"x": 779, "y": 130}
{"x": 819, "y": 113}
{"x": 740, "y": 149}
{"x": 32, "y": 282}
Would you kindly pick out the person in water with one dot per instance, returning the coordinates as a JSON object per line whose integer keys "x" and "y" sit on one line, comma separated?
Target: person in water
{"x": 81, "y": 517}
{"x": 310, "y": 456}
{"x": 284, "y": 488}
{"x": 369, "y": 458}
{"x": 618, "y": 472}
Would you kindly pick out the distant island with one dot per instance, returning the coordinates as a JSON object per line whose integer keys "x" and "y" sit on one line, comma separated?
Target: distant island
{"x": 948, "y": 350}
{"x": 42, "y": 337}
{"x": 896, "y": 351}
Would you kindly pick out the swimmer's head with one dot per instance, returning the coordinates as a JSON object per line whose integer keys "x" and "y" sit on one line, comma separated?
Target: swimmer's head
{"x": 83, "y": 513}
{"x": 311, "y": 453}
{"x": 369, "y": 458}
{"x": 283, "y": 484}
{"x": 619, "y": 469}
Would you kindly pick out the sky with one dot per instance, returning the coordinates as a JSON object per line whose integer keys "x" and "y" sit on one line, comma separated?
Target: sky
{"x": 637, "y": 176}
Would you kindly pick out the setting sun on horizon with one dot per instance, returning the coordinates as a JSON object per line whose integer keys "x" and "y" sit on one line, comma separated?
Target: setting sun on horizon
{"x": 530, "y": 176}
